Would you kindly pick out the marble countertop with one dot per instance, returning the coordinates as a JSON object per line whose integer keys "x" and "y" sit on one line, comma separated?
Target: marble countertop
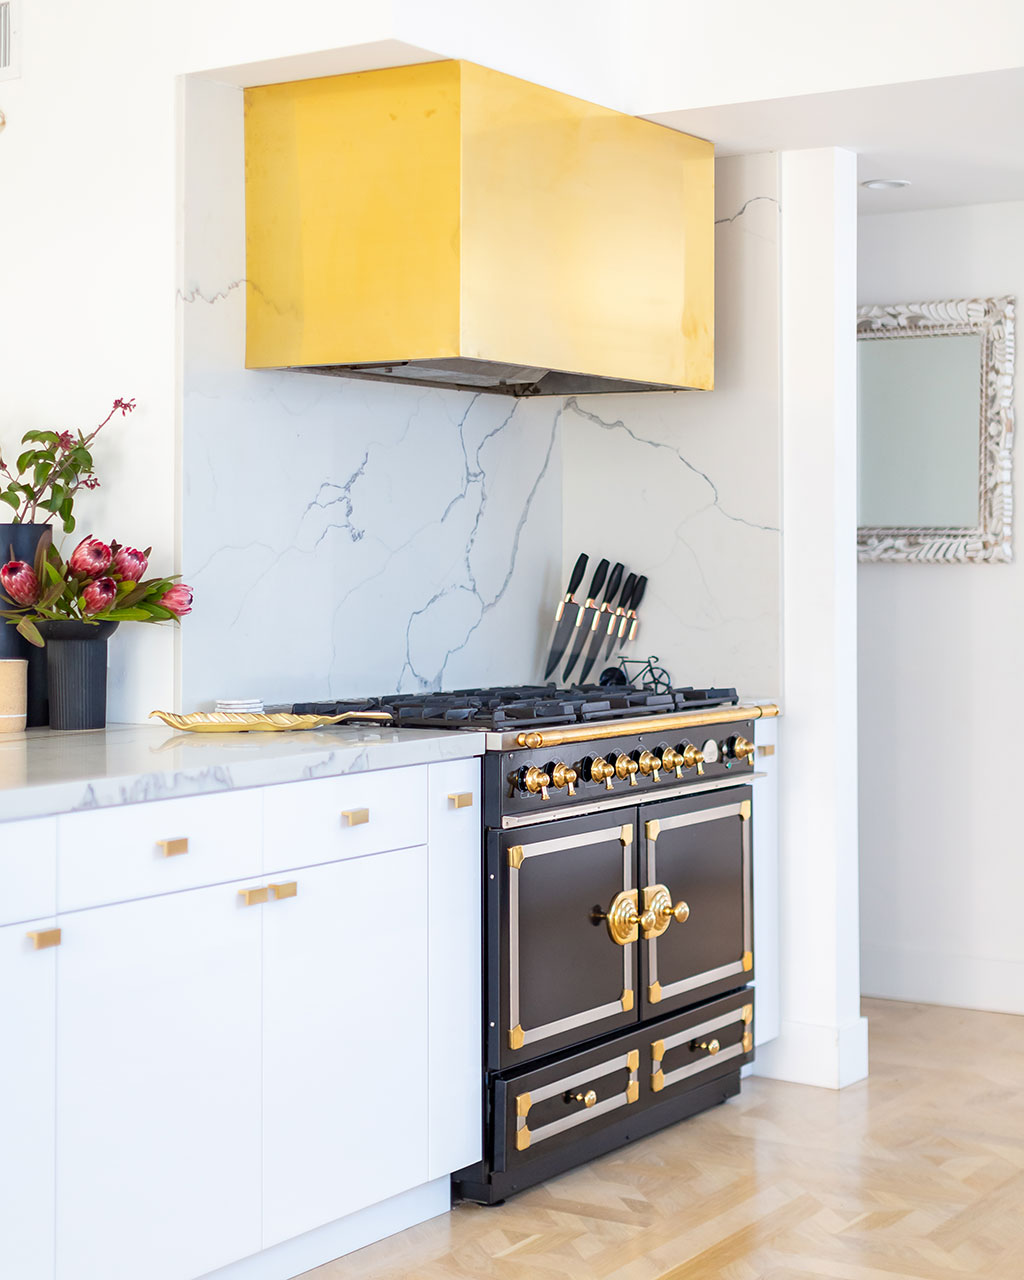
{"x": 43, "y": 772}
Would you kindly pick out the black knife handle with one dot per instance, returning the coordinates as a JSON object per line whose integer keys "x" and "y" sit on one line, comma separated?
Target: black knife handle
{"x": 638, "y": 593}
{"x": 627, "y": 591}
{"x": 578, "y": 570}
{"x": 598, "y": 581}
{"x": 613, "y": 582}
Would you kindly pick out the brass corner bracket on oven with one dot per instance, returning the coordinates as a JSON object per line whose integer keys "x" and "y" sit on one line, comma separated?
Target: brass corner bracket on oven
{"x": 646, "y": 724}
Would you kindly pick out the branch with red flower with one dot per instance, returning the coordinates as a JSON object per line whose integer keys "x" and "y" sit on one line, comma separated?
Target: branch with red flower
{"x": 97, "y": 583}
{"x": 49, "y": 473}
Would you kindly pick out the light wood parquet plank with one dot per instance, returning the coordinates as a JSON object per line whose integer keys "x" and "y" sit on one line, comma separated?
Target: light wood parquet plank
{"x": 914, "y": 1174}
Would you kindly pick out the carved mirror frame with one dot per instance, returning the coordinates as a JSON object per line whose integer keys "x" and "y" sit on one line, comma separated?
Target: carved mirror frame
{"x": 992, "y": 540}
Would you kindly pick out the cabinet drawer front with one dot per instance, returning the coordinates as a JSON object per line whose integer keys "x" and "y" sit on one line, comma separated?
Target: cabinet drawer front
{"x": 570, "y": 1105}
{"x": 28, "y": 869}
{"x": 329, "y": 819}
{"x": 116, "y": 855}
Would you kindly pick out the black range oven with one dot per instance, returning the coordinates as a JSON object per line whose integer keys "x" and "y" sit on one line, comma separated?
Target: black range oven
{"x": 619, "y": 942}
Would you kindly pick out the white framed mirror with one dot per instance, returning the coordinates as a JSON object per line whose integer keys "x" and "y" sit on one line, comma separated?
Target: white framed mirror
{"x": 935, "y": 430}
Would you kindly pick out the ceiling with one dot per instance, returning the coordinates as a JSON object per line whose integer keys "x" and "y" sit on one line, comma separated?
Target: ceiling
{"x": 959, "y": 140}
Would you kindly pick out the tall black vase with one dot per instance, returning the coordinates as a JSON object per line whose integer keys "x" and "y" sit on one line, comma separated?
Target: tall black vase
{"x": 76, "y": 663}
{"x": 19, "y": 542}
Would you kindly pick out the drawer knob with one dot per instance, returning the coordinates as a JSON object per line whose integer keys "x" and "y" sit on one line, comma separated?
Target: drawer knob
{"x": 253, "y": 897}
{"x": 712, "y": 1046}
{"x": 461, "y": 799}
{"x": 286, "y": 890}
{"x": 589, "y": 1099}
{"x": 355, "y": 817}
{"x": 171, "y": 847}
{"x": 660, "y": 911}
{"x": 43, "y": 938}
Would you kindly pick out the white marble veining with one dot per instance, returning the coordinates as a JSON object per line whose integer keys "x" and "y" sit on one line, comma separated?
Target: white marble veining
{"x": 43, "y": 772}
{"x": 688, "y": 483}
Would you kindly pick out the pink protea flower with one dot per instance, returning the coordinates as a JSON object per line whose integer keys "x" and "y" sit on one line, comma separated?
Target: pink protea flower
{"x": 178, "y": 599}
{"x": 129, "y": 564}
{"x": 90, "y": 558}
{"x": 20, "y": 582}
{"x": 99, "y": 595}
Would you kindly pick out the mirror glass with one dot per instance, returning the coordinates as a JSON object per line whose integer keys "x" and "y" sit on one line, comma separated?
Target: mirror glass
{"x": 918, "y": 414}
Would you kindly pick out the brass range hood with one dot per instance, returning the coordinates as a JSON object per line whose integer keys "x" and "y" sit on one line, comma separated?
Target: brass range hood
{"x": 447, "y": 225}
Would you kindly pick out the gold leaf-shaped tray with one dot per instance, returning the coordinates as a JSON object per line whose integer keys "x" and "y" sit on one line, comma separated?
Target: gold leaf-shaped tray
{"x": 251, "y": 722}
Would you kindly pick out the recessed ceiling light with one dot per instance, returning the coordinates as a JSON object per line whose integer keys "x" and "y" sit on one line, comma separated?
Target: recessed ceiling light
{"x": 885, "y": 184}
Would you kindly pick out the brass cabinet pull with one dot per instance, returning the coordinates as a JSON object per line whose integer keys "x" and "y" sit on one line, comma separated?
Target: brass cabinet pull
{"x": 355, "y": 817}
{"x": 43, "y": 938}
{"x": 172, "y": 847}
{"x": 253, "y": 897}
{"x": 712, "y": 1046}
{"x": 589, "y": 1099}
{"x": 461, "y": 799}
{"x": 286, "y": 890}
{"x": 661, "y": 911}
{"x": 623, "y": 918}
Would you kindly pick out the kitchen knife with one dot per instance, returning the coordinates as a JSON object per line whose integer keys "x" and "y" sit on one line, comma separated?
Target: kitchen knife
{"x": 565, "y": 617}
{"x": 585, "y": 617}
{"x": 628, "y": 625}
{"x": 620, "y": 612}
{"x": 598, "y": 629}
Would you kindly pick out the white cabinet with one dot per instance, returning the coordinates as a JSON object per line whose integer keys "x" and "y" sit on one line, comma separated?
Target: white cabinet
{"x": 28, "y": 869}
{"x": 344, "y": 1039}
{"x": 158, "y": 1087}
{"x": 455, "y": 1038}
{"x": 27, "y": 986}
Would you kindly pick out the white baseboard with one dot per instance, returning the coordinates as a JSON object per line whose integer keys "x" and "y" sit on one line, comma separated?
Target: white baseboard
{"x": 809, "y": 1053}
{"x": 290, "y": 1259}
{"x": 933, "y": 977}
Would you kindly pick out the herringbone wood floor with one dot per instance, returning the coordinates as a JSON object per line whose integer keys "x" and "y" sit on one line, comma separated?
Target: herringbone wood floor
{"x": 915, "y": 1174}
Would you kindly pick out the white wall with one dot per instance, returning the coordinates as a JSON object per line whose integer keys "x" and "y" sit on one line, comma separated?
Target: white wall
{"x": 684, "y": 487}
{"x": 942, "y": 875}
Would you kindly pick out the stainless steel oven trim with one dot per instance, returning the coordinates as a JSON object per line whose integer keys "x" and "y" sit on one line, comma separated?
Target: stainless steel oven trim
{"x": 511, "y": 822}
{"x": 575, "y": 1118}
{"x": 585, "y": 1017}
{"x": 687, "y": 1036}
{"x": 742, "y": 811}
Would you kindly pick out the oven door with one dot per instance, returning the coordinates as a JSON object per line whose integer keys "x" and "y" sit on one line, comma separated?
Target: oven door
{"x": 561, "y": 962}
{"x": 696, "y": 876}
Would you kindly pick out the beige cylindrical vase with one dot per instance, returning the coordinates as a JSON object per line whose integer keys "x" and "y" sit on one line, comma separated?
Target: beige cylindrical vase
{"x": 13, "y": 694}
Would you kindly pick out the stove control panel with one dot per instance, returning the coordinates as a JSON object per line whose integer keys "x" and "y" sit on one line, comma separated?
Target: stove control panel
{"x": 638, "y": 766}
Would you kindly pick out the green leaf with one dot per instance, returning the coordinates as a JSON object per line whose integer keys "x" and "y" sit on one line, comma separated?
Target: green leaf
{"x": 44, "y": 437}
{"x": 81, "y": 458}
{"x": 11, "y": 499}
{"x": 26, "y": 459}
{"x": 69, "y": 523}
{"x": 135, "y": 596}
{"x": 157, "y": 610}
{"x": 128, "y": 615}
{"x": 28, "y": 629}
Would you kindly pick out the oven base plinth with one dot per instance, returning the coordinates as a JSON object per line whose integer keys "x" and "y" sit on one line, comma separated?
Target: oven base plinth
{"x": 478, "y": 1184}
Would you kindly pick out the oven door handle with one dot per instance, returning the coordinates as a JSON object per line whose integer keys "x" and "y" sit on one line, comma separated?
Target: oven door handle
{"x": 625, "y": 920}
{"x": 660, "y": 911}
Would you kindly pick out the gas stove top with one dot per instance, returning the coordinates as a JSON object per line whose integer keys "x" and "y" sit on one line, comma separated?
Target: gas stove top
{"x": 525, "y": 706}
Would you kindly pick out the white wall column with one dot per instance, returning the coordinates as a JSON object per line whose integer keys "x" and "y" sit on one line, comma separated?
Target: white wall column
{"x": 823, "y": 1039}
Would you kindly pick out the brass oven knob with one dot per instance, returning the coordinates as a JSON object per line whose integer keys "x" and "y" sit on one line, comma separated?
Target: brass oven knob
{"x": 602, "y": 771}
{"x": 681, "y": 912}
{"x": 563, "y": 776}
{"x": 743, "y": 749}
{"x": 648, "y": 763}
{"x": 534, "y": 780}
{"x": 671, "y": 759}
{"x": 589, "y": 1099}
{"x": 626, "y": 768}
{"x": 691, "y": 757}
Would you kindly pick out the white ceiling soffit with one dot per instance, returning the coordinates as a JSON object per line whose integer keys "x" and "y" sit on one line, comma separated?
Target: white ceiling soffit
{"x": 958, "y": 139}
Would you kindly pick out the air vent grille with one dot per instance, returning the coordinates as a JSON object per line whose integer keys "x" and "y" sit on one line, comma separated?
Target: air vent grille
{"x": 10, "y": 39}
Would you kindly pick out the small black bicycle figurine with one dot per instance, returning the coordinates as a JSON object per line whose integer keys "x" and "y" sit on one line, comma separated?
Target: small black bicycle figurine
{"x": 650, "y": 675}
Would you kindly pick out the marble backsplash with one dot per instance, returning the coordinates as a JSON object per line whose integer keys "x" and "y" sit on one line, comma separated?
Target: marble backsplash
{"x": 346, "y": 537}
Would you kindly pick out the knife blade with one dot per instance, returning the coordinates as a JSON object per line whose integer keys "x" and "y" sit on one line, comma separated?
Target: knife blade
{"x": 598, "y": 626}
{"x": 565, "y": 616}
{"x": 585, "y": 617}
{"x": 620, "y": 612}
{"x": 629, "y": 624}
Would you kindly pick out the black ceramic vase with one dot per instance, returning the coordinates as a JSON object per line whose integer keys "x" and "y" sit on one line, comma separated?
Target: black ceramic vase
{"x": 76, "y": 666}
{"x": 19, "y": 542}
